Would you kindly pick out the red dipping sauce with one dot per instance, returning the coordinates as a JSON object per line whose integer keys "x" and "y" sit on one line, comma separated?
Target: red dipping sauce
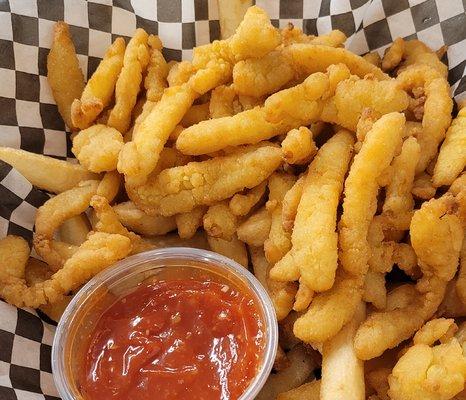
{"x": 190, "y": 338}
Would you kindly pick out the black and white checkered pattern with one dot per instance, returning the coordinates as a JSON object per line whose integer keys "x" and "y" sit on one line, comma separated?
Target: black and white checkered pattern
{"x": 29, "y": 118}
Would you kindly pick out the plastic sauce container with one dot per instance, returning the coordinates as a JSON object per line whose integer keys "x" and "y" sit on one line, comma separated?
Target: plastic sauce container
{"x": 89, "y": 345}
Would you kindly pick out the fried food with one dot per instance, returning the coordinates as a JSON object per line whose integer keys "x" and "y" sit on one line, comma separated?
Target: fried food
{"x": 441, "y": 329}
{"x": 423, "y": 188}
{"x": 373, "y": 58}
{"x": 290, "y": 204}
{"x": 188, "y": 222}
{"x": 98, "y": 252}
{"x": 374, "y": 289}
{"x": 234, "y": 249}
{"x": 393, "y": 55}
{"x": 219, "y": 221}
{"x": 298, "y": 146}
{"x": 196, "y": 114}
{"x": 155, "y": 80}
{"x": 138, "y": 221}
{"x": 437, "y": 108}
{"x": 314, "y": 256}
{"x": 46, "y": 173}
{"x": 223, "y": 102}
{"x": 109, "y": 186}
{"x": 342, "y": 371}
{"x": 361, "y": 188}
{"x": 460, "y": 284}
{"x": 74, "y": 230}
{"x": 417, "y": 53}
{"x": 97, "y": 148}
{"x": 452, "y": 155}
{"x": 63, "y": 72}
{"x": 180, "y": 189}
{"x": 352, "y": 96}
{"x": 129, "y": 81}
{"x": 303, "y": 297}
{"x": 54, "y": 212}
{"x": 331, "y": 310}
{"x": 301, "y": 366}
{"x": 279, "y": 242}
{"x": 99, "y": 90}
{"x": 139, "y": 157}
{"x": 307, "y": 391}
{"x": 282, "y": 294}
{"x": 242, "y": 204}
{"x": 256, "y": 229}
{"x": 180, "y": 73}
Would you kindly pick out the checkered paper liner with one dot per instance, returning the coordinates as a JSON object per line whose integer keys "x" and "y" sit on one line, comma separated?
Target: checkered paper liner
{"x": 29, "y": 118}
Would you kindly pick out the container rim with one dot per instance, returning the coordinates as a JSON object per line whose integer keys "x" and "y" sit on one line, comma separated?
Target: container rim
{"x": 180, "y": 254}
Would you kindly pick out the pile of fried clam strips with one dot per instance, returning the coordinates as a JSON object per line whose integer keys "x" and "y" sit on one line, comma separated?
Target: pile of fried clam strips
{"x": 339, "y": 178}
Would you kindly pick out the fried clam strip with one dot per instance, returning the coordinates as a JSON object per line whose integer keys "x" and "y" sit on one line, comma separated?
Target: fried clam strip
{"x": 256, "y": 229}
{"x": 63, "y": 72}
{"x": 393, "y": 55}
{"x": 265, "y": 75}
{"x": 99, "y": 89}
{"x": 219, "y": 221}
{"x": 234, "y": 249}
{"x": 188, "y": 222}
{"x": 437, "y": 108}
{"x": 138, "y": 221}
{"x": 460, "y": 284}
{"x": 361, "y": 188}
{"x": 291, "y": 203}
{"x": 55, "y": 211}
{"x": 313, "y": 256}
{"x": 129, "y": 81}
{"x": 242, "y": 203}
{"x": 354, "y": 95}
{"x": 298, "y": 146}
{"x": 279, "y": 242}
{"x": 99, "y": 251}
{"x": 157, "y": 70}
{"x": 180, "y": 189}
{"x": 452, "y": 156}
{"x": 97, "y": 148}
{"x": 429, "y": 372}
{"x": 436, "y": 236}
{"x": 398, "y": 197}
{"x": 285, "y": 110}
{"x": 46, "y": 173}
{"x": 416, "y": 52}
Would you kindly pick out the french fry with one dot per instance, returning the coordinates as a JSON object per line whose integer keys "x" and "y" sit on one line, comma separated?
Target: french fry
{"x": 74, "y": 230}
{"x": 99, "y": 89}
{"x": 46, "y": 173}
{"x": 342, "y": 371}
{"x": 138, "y": 221}
{"x": 242, "y": 204}
{"x": 63, "y": 72}
{"x": 234, "y": 249}
{"x": 255, "y": 230}
{"x": 231, "y": 13}
{"x": 166, "y": 194}
{"x": 314, "y": 254}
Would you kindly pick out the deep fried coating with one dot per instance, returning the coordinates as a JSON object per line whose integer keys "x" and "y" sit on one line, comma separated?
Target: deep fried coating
{"x": 99, "y": 89}
{"x": 393, "y": 55}
{"x": 330, "y": 310}
{"x": 180, "y": 189}
{"x": 180, "y": 73}
{"x": 437, "y": 108}
{"x": 157, "y": 70}
{"x": 55, "y": 211}
{"x": 46, "y": 173}
{"x": 374, "y": 58}
{"x": 129, "y": 81}
{"x": 109, "y": 186}
{"x": 14, "y": 254}
{"x": 314, "y": 256}
{"x": 352, "y": 96}
{"x": 63, "y": 72}
{"x": 74, "y": 230}
{"x": 361, "y": 188}
{"x": 279, "y": 242}
{"x": 138, "y": 221}
{"x": 418, "y": 53}
{"x": 139, "y": 157}
{"x": 423, "y": 188}
{"x": 441, "y": 329}
{"x": 97, "y": 148}
{"x": 282, "y": 294}
{"x": 452, "y": 156}
{"x": 303, "y": 297}
{"x": 431, "y": 373}
{"x": 310, "y": 58}
{"x": 188, "y": 222}
{"x": 242, "y": 204}
{"x": 234, "y": 249}
{"x": 223, "y": 103}
{"x": 196, "y": 114}
{"x": 374, "y": 289}
{"x": 290, "y": 204}
{"x": 219, "y": 221}
{"x": 256, "y": 229}
{"x": 98, "y": 252}
{"x": 460, "y": 284}
{"x": 398, "y": 197}
{"x": 298, "y": 146}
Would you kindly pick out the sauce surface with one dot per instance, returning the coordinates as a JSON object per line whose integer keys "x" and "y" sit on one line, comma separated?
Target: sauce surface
{"x": 175, "y": 339}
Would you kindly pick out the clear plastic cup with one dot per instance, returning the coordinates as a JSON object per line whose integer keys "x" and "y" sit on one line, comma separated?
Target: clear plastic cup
{"x": 83, "y": 312}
